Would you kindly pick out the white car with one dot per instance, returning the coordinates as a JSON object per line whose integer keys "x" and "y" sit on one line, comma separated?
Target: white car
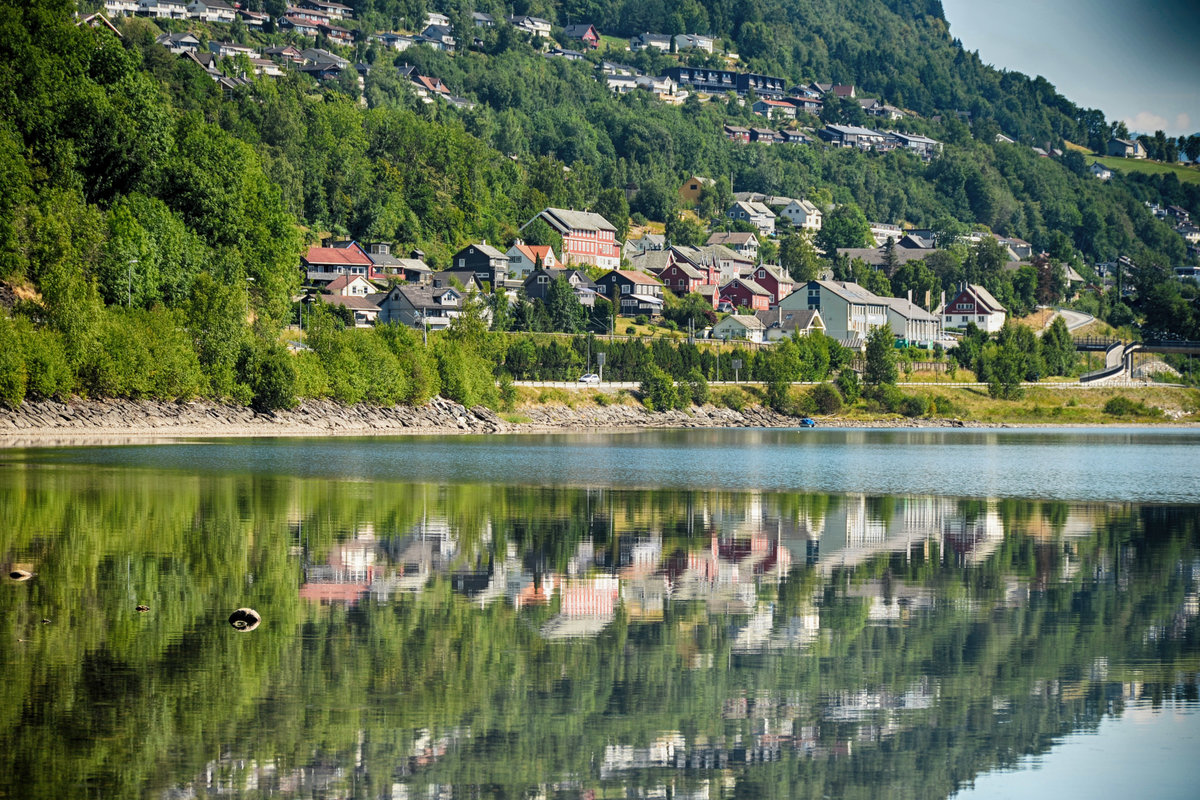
{"x": 591, "y": 377}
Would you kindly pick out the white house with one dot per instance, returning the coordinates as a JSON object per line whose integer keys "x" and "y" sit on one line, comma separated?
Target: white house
{"x": 1100, "y": 171}
{"x": 163, "y": 9}
{"x": 975, "y": 304}
{"x": 757, "y": 214}
{"x": 740, "y": 326}
{"x": 686, "y": 41}
{"x": 803, "y": 214}
{"x": 911, "y": 322}
{"x": 121, "y": 8}
{"x": 848, "y": 310}
{"x": 211, "y": 11}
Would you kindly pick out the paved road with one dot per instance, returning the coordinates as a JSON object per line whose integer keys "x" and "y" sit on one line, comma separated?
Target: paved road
{"x": 1075, "y": 319}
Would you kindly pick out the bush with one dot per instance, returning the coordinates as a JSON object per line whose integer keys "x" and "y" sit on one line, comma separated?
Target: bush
{"x": 732, "y": 398}
{"x": 508, "y": 392}
{"x": 629, "y": 329}
{"x": 50, "y": 373}
{"x": 311, "y": 380}
{"x": 642, "y": 319}
{"x": 884, "y": 398}
{"x": 698, "y": 387}
{"x": 942, "y": 406}
{"x": 658, "y": 390}
{"x": 826, "y": 399}
{"x": 267, "y": 369}
{"x": 914, "y": 406}
{"x": 12, "y": 364}
{"x": 1124, "y": 407}
{"x": 778, "y": 396}
{"x": 850, "y": 385}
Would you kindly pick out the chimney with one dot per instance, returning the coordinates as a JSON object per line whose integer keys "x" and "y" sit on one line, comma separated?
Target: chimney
{"x": 910, "y": 295}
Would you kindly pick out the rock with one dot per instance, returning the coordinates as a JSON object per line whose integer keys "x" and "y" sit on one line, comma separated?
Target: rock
{"x": 245, "y": 619}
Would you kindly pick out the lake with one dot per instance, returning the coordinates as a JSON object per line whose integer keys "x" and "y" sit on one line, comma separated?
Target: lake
{"x": 682, "y": 614}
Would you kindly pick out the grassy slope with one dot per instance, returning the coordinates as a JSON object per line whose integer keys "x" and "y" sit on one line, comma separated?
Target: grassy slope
{"x": 1185, "y": 174}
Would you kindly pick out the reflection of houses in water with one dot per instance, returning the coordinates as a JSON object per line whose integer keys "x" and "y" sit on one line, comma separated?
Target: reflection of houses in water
{"x": 760, "y": 632}
{"x": 347, "y": 574}
{"x": 587, "y": 606}
{"x": 861, "y": 527}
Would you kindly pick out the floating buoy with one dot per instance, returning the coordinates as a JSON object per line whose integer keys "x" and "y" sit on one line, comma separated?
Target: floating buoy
{"x": 20, "y": 575}
{"x": 245, "y": 619}
{"x": 143, "y": 609}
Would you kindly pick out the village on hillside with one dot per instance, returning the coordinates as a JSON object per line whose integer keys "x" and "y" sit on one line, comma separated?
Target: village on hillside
{"x": 749, "y": 297}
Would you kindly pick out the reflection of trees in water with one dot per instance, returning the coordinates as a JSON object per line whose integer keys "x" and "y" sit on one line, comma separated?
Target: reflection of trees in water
{"x": 920, "y": 658}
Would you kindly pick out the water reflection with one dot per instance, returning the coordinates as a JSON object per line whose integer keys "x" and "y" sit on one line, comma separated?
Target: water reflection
{"x": 484, "y": 640}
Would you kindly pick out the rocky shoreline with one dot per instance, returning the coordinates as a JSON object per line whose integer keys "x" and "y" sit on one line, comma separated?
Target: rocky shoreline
{"x": 50, "y": 422}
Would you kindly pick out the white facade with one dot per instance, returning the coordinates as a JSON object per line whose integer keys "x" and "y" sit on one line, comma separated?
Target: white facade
{"x": 163, "y": 9}
{"x": 208, "y": 11}
{"x": 121, "y": 8}
{"x": 848, "y": 310}
{"x": 803, "y": 214}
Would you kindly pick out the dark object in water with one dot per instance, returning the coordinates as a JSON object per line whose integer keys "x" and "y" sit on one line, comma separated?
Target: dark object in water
{"x": 245, "y": 619}
{"x": 143, "y": 609}
{"x": 20, "y": 575}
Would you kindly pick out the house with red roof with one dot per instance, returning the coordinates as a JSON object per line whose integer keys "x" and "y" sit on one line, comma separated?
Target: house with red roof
{"x": 523, "y": 259}
{"x": 322, "y": 264}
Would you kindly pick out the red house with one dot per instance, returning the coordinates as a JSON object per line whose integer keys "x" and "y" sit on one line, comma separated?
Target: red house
{"x": 682, "y": 278}
{"x": 773, "y": 279}
{"x": 583, "y": 33}
{"x": 322, "y": 264}
{"x": 745, "y": 293}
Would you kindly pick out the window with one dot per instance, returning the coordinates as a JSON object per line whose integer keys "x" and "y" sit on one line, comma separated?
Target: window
{"x": 762, "y": 273}
{"x": 625, "y": 289}
{"x": 462, "y": 262}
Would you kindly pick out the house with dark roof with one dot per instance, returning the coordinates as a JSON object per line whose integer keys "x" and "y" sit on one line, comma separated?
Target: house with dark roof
{"x": 179, "y": 43}
{"x": 439, "y": 37}
{"x": 848, "y": 310}
{"x": 631, "y": 293}
{"x": 489, "y": 265}
{"x": 642, "y": 41}
{"x": 912, "y": 323}
{"x": 421, "y": 306}
{"x": 780, "y": 324}
{"x": 537, "y": 285}
{"x": 973, "y": 303}
{"x": 851, "y": 136}
{"x": 365, "y": 310}
{"x": 587, "y": 237}
{"x": 773, "y": 278}
{"x": 387, "y": 267}
{"x": 1126, "y": 148}
{"x": 745, "y": 244}
{"x": 585, "y": 33}
{"x": 747, "y": 327}
{"x": 757, "y": 214}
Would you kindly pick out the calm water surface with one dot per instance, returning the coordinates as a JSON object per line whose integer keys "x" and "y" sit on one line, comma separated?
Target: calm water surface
{"x": 708, "y": 614}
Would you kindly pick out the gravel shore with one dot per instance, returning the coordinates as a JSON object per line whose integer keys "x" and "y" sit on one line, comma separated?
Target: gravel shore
{"x": 51, "y": 423}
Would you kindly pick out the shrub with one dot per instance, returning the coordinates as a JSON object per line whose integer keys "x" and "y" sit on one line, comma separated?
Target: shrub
{"x": 826, "y": 398}
{"x": 942, "y": 406}
{"x": 914, "y": 406}
{"x": 311, "y": 380}
{"x": 508, "y": 392}
{"x": 629, "y": 329}
{"x": 658, "y": 390}
{"x": 1123, "y": 406}
{"x": 850, "y": 385}
{"x": 698, "y": 387}
{"x": 732, "y": 398}
{"x": 884, "y": 397}
{"x": 267, "y": 369}
{"x": 642, "y": 319}
{"x": 13, "y": 376}
{"x": 778, "y": 396}
{"x": 50, "y": 373}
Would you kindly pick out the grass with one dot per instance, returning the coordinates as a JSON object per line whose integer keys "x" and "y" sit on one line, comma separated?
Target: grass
{"x": 1185, "y": 174}
{"x": 1055, "y": 405}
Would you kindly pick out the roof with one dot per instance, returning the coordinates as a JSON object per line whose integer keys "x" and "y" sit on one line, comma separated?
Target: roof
{"x": 687, "y": 269}
{"x": 337, "y": 255}
{"x": 750, "y": 322}
{"x": 567, "y": 220}
{"x": 908, "y": 309}
{"x": 749, "y": 284}
{"x": 352, "y": 302}
{"x": 852, "y": 130}
{"x": 800, "y": 319}
{"x": 731, "y": 237}
{"x": 342, "y": 281}
{"x": 651, "y": 260}
{"x": 486, "y": 249}
{"x": 576, "y": 31}
{"x": 774, "y": 270}
{"x": 851, "y": 292}
{"x": 982, "y": 296}
{"x": 633, "y": 277}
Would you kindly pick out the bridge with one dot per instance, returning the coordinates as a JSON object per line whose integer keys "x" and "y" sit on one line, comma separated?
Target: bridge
{"x": 1119, "y": 355}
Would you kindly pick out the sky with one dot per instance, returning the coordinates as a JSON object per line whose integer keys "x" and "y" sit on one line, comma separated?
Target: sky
{"x": 1136, "y": 62}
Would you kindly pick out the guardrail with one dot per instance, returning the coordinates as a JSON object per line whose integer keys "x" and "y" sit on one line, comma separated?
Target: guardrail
{"x": 1116, "y": 359}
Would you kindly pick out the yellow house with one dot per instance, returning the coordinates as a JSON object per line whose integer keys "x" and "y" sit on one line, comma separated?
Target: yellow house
{"x": 689, "y": 192}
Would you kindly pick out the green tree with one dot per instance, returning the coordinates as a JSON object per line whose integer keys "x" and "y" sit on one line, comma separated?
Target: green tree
{"x": 1058, "y": 349}
{"x": 880, "y": 357}
{"x": 845, "y": 226}
{"x": 799, "y": 256}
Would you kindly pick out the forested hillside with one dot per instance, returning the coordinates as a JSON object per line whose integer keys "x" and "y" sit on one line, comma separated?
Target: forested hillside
{"x": 134, "y": 182}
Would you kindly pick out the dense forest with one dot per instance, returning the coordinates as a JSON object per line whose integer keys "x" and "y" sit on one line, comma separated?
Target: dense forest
{"x": 153, "y": 220}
